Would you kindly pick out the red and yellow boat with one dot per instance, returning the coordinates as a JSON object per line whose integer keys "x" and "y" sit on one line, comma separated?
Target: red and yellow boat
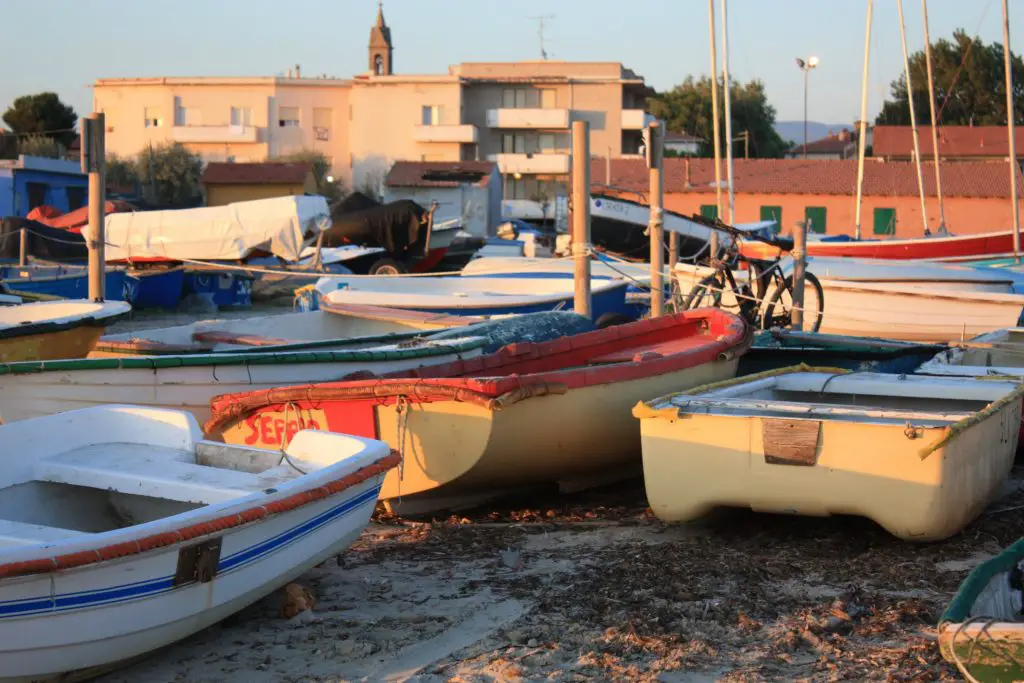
{"x": 556, "y": 411}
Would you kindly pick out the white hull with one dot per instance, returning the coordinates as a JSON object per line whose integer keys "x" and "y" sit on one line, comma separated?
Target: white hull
{"x": 188, "y": 388}
{"x": 126, "y": 602}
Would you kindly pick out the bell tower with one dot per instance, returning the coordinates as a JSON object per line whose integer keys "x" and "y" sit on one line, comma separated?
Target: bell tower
{"x": 381, "y": 49}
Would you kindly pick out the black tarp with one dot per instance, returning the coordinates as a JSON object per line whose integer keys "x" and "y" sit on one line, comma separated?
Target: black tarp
{"x": 44, "y": 242}
{"x": 397, "y": 226}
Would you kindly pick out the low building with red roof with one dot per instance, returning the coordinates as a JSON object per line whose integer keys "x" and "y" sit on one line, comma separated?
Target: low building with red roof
{"x": 226, "y": 183}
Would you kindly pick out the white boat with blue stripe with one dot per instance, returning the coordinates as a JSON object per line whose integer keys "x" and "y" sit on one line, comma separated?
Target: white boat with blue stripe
{"x": 122, "y": 531}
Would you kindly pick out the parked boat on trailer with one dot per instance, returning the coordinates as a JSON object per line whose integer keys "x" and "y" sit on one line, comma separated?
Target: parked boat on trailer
{"x": 556, "y": 411}
{"x": 122, "y": 531}
{"x": 794, "y": 442}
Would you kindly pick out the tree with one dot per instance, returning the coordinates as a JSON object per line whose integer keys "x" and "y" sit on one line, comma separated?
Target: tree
{"x": 44, "y": 114}
{"x": 974, "y": 94}
{"x": 330, "y": 187}
{"x": 170, "y": 173}
{"x": 121, "y": 172}
{"x": 686, "y": 108}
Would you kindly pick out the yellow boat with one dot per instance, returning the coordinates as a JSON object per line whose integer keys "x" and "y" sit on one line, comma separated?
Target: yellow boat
{"x": 48, "y": 330}
{"x": 533, "y": 413}
{"x": 921, "y": 456}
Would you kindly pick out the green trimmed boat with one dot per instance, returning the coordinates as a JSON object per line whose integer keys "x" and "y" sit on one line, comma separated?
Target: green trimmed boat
{"x": 982, "y": 630}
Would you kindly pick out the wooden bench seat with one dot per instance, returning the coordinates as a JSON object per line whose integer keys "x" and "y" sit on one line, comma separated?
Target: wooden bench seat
{"x": 148, "y": 471}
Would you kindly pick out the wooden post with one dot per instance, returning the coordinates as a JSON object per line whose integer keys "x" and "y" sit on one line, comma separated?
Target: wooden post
{"x": 655, "y": 226}
{"x": 713, "y": 243}
{"x": 799, "y": 266}
{"x": 581, "y": 215}
{"x": 1008, "y": 75}
{"x": 93, "y": 163}
{"x": 23, "y": 248}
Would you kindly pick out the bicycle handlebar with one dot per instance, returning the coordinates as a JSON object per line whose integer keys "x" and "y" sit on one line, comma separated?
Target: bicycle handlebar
{"x": 736, "y": 233}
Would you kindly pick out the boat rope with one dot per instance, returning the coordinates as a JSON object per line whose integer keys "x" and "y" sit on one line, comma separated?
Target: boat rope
{"x": 284, "y": 436}
{"x": 975, "y": 642}
{"x": 402, "y": 425}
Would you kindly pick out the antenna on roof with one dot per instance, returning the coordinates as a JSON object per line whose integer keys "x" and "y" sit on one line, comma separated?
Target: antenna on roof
{"x": 540, "y": 32}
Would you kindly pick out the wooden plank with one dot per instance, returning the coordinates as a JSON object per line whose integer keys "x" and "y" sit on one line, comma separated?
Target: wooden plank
{"x": 790, "y": 442}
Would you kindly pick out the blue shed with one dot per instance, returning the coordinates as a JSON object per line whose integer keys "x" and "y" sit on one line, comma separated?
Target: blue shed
{"x": 28, "y": 182}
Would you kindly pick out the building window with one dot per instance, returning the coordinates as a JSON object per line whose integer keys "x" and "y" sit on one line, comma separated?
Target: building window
{"x": 241, "y": 116}
{"x": 548, "y": 99}
{"x": 709, "y": 211}
{"x": 885, "y": 222}
{"x": 322, "y": 119}
{"x": 546, "y": 143}
{"x": 154, "y": 117}
{"x": 288, "y": 117}
{"x": 36, "y": 194}
{"x": 431, "y": 115}
{"x": 378, "y": 65}
{"x": 518, "y": 98}
{"x": 772, "y": 213}
{"x": 76, "y": 198}
{"x": 513, "y": 144}
{"x": 816, "y": 217}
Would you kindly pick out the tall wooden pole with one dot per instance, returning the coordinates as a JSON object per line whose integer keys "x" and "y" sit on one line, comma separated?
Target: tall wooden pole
{"x": 913, "y": 118}
{"x": 862, "y": 134}
{"x": 931, "y": 107}
{"x": 1007, "y": 66}
{"x": 799, "y": 267}
{"x": 93, "y": 162}
{"x": 713, "y": 244}
{"x": 655, "y": 226}
{"x": 728, "y": 111}
{"x": 581, "y": 216}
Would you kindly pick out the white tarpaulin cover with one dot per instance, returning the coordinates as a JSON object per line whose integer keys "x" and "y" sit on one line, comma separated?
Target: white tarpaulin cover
{"x": 281, "y": 225}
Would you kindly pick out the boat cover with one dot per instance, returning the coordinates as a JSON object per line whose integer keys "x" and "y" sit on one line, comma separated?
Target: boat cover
{"x": 282, "y": 226}
{"x": 43, "y": 241}
{"x": 397, "y": 227}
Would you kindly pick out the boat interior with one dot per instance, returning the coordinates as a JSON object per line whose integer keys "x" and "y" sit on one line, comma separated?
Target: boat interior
{"x": 994, "y": 357}
{"x": 868, "y": 397}
{"x": 102, "y": 487}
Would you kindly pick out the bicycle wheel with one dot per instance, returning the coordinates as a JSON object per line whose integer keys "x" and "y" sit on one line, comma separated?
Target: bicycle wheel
{"x": 706, "y": 293}
{"x": 779, "y": 312}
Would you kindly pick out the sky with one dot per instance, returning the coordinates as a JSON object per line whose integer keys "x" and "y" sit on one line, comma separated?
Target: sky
{"x": 74, "y": 42}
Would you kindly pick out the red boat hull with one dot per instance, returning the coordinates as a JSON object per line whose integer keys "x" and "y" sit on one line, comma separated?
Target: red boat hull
{"x": 957, "y": 248}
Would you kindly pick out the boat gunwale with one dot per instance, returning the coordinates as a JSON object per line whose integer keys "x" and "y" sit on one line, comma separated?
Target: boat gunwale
{"x": 107, "y": 313}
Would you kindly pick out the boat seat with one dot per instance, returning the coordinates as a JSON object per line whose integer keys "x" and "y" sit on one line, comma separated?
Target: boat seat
{"x": 651, "y": 351}
{"x": 13, "y": 534}
{"x": 149, "y": 471}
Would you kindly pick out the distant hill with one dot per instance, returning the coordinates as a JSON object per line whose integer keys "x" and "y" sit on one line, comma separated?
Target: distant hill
{"x": 794, "y": 130}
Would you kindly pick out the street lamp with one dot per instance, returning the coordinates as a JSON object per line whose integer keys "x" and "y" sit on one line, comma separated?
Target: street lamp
{"x": 806, "y": 67}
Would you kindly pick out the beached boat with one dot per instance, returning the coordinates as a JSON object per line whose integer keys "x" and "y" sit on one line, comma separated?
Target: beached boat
{"x": 905, "y": 310}
{"x": 331, "y": 328}
{"x": 65, "y": 282}
{"x": 793, "y": 442}
{"x": 998, "y": 353}
{"x": 188, "y": 382}
{"x": 513, "y": 266}
{"x": 122, "y": 531}
{"x": 934, "y": 248}
{"x": 555, "y": 411}
{"x": 471, "y": 295}
{"x": 154, "y": 287}
{"x": 46, "y": 330}
{"x": 982, "y": 630}
{"x": 784, "y": 348}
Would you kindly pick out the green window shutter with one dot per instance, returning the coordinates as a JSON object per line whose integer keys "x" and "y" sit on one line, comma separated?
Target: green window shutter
{"x": 709, "y": 211}
{"x": 772, "y": 213}
{"x": 816, "y": 219}
{"x": 885, "y": 222}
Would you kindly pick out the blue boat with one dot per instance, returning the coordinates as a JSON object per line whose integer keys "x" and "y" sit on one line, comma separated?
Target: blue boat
{"x": 66, "y": 282}
{"x": 774, "y": 349}
{"x": 154, "y": 287}
{"x": 479, "y": 296}
{"x": 225, "y": 289}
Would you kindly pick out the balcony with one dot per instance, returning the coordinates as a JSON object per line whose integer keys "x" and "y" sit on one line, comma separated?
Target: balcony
{"x": 528, "y": 118}
{"x": 459, "y": 133}
{"x": 215, "y": 134}
{"x": 538, "y": 164}
{"x": 636, "y": 119}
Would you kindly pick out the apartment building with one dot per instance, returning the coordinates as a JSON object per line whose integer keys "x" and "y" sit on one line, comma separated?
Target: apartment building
{"x": 516, "y": 114}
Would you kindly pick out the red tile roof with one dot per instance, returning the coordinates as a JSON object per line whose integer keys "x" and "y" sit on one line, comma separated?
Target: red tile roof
{"x": 266, "y": 173}
{"x": 954, "y": 141}
{"x": 839, "y": 143}
{"x": 986, "y": 179}
{"x": 439, "y": 173}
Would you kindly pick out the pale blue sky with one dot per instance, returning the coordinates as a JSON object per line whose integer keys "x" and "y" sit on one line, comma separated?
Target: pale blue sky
{"x": 64, "y": 45}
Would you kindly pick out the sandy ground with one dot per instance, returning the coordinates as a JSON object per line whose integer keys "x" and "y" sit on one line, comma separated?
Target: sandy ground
{"x": 592, "y": 587}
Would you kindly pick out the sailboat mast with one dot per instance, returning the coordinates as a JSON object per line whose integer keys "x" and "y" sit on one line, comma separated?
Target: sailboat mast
{"x": 931, "y": 106}
{"x": 728, "y": 112}
{"x": 714, "y": 109}
{"x": 1007, "y": 66}
{"x": 913, "y": 119}
{"x": 862, "y": 134}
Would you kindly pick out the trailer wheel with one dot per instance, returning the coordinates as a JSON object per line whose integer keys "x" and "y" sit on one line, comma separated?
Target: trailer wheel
{"x": 388, "y": 266}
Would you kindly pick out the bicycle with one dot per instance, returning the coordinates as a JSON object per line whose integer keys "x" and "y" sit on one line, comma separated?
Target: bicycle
{"x": 766, "y": 279}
